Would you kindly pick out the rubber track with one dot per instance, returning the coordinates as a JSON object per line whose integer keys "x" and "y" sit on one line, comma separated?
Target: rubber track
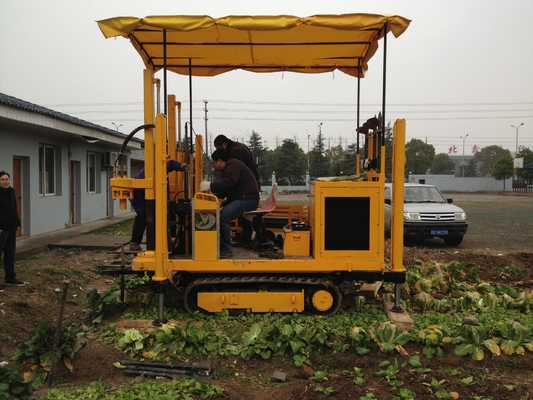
{"x": 292, "y": 282}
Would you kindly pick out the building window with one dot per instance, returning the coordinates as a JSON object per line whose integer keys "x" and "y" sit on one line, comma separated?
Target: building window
{"x": 91, "y": 172}
{"x": 47, "y": 170}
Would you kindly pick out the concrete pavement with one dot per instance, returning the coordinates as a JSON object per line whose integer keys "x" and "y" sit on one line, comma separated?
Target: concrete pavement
{"x": 76, "y": 236}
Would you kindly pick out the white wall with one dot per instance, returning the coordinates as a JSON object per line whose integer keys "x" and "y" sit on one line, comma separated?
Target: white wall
{"x": 449, "y": 183}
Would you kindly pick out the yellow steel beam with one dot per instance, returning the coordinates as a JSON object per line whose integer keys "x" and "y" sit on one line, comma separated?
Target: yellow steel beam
{"x": 160, "y": 186}
{"x": 148, "y": 81}
{"x": 398, "y": 176}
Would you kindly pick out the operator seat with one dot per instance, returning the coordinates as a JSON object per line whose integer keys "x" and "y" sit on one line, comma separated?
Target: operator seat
{"x": 268, "y": 206}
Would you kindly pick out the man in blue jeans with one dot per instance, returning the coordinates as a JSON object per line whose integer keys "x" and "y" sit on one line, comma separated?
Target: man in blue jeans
{"x": 239, "y": 186}
{"x": 9, "y": 224}
{"x": 139, "y": 205}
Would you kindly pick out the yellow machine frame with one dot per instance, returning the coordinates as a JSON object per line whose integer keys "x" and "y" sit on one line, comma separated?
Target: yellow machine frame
{"x": 345, "y": 218}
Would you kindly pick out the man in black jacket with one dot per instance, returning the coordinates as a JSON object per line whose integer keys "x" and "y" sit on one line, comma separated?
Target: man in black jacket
{"x": 239, "y": 186}
{"x": 242, "y": 153}
{"x": 9, "y": 224}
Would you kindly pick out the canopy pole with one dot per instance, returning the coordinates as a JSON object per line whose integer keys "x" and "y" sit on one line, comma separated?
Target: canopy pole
{"x": 165, "y": 83}
{"x": 358, "y": 99}
{"x": 165, "y": 71}
{"x": 357, "y": 155}
{"x": 382, "y": 133}
{"x": 190, "y": 100}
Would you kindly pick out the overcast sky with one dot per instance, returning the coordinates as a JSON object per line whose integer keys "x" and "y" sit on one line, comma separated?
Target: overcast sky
{"x": 461, "y": 68}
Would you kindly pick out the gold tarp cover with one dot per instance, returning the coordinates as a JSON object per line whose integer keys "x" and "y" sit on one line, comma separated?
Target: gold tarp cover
{"x": 211, "y": 46}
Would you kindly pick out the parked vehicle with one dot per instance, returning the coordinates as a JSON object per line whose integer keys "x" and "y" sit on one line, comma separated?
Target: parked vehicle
{"x": 428, "y": 214}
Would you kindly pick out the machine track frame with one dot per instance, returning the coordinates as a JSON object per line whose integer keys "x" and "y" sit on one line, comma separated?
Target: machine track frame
{"x": 314, "y": 288}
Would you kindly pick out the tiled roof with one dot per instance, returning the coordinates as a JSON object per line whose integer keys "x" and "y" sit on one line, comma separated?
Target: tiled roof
{"x": 27, "y": 106}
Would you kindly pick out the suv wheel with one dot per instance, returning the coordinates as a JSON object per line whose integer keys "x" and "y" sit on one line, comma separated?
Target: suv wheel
{"x": 454, "y": 240}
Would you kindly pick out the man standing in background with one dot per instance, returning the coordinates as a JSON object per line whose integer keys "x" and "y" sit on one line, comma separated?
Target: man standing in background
{"x": 9, "y": 224}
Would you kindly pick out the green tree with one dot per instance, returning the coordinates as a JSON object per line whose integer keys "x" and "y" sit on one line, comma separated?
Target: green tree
{"x": 255, "y": 144}
{"x": 319, "y": 165}
{"x": 442, "y": 165}
{"x": 335, "y": 155}
{"x": 503, "y": 169}
{"x": 290, "y": 162}
{"x": 419, "y": 157}
{"x": 487, "y": 157}
{"x": 471, "y": 168}
{"x": 525, "y": 173}
{"x": 348, "y": 159}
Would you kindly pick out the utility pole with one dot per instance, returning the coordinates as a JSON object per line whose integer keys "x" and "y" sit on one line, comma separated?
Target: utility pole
{"x": 308, "y": 136}
{"x": 463, "y": 160}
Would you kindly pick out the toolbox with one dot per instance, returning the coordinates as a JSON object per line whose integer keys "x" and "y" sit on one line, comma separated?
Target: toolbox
{"x": 297, "y": 240}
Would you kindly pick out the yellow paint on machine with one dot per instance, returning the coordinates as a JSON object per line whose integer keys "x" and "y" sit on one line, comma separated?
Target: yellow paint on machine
{"x": 252, "y": 301}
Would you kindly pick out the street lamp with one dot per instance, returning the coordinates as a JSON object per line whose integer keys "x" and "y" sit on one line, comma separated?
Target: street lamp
{"x": 116, "y": 126}
{"x": 517, "y": 127}
{"x": 463, "y": 160}
{"x": 308, "y": 136}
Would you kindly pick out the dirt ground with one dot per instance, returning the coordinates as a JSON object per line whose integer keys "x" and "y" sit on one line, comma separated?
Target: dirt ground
{"x": 499, "y": 236}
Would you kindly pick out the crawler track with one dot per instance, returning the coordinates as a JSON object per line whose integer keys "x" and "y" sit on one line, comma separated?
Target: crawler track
{"x": 272, "y": 283}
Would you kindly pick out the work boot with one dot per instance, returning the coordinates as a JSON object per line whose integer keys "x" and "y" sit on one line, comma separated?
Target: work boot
{"x": 135, "y": 247}
{"x": 14, "y": 282}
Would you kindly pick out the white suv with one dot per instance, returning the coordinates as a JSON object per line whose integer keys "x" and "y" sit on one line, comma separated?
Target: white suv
{"x": 428, "y": 214}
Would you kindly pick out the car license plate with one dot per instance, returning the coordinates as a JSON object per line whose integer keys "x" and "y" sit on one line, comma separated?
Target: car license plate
{"x": 439, "y": 232}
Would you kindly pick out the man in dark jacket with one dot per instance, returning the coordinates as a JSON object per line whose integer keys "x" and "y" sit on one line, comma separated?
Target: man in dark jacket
{"x": 242, "y": 153}
{"x": 9, "y": 224}
{"x": 139, "y": 205}
{"x": 239, "y": 186}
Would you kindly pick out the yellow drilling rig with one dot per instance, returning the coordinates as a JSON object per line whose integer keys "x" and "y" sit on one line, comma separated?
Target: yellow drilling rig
{"x": 339, "y": 236}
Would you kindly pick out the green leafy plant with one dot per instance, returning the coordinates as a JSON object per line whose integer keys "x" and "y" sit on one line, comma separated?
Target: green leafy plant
{"x": 392, "y": 370}
{"x": 97, "y": 304}
{"x": 167, "y": 339}
{"x": 327, "y": 391}
{"x": 254, "y": 342}
{"x": 440, "y": 394}
{"x": 179, "y": 387}
{"x": 434, "y": 384}
{"x": 36, "y": 352}
{"x": 433, "y": 339}
{"x": 515, "y": 338}
{"x": 12, "y": 384}
{"x": 467, "y": 381}
{"x": 319, "y": 376}
{"x": 359, "y": 339}
{"x": 389, "y": 337}
{"x": 357, "y": 375}
{"x": 405, "y": 394}
{"x": 133, "y": 341}
{"x": 414, "y": 361}
{"x": 197, "y": 339}
{"x": 471, "y": 341}
{"x": 359, "y": 302}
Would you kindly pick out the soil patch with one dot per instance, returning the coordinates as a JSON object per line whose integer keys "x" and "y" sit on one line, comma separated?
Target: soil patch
{"x": 500, "y": 251}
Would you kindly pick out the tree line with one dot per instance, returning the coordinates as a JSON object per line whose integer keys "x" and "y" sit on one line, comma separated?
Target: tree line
{"x": 290, "y": 163}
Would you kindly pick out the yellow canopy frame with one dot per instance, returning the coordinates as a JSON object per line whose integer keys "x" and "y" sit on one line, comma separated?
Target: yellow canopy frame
{"x": 200, "y": 45}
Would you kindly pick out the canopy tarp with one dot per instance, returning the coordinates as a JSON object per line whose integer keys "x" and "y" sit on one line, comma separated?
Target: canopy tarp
{"x": 211, "y": 46}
